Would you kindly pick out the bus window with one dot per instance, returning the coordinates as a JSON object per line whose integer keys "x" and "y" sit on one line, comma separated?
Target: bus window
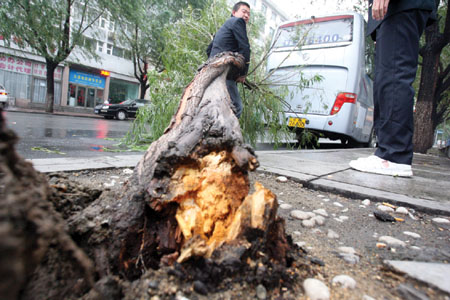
{"x": 315, "y": 33}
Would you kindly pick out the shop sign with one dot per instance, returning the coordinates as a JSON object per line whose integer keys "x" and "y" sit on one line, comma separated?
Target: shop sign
{"x": 15, "y": 64}
{"x": 40, "y": 70}
{"x": 24, "y": 66}
{"x": 83, "y": 78}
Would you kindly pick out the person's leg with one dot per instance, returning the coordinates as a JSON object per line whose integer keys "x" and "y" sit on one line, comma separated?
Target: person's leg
{"x": 235, "y": 97}
{"x": 397, "y": 52}
{"x": 396, "y": 58}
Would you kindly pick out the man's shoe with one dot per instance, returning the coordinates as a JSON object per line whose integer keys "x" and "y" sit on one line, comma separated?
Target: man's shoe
{"x": 374, "y": 164}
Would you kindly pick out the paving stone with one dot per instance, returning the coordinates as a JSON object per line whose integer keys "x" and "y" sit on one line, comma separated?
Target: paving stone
{"x": 435, "y": 274}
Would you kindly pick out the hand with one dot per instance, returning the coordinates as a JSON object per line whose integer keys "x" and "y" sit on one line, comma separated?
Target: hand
{"x": 379, "y": 9}
{"x": 241, "y": 79}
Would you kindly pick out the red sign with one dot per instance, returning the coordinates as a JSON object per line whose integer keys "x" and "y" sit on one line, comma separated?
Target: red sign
{"x": 24, "y": 66}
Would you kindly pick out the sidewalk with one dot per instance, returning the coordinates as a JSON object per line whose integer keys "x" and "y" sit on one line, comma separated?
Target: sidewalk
{"x": 326, "y": 170}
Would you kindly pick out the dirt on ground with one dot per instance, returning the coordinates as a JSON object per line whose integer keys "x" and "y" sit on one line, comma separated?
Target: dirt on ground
{"x": 339, "y": 222}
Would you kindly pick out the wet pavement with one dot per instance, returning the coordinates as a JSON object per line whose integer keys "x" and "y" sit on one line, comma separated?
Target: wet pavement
{"x": 327, "y": 170}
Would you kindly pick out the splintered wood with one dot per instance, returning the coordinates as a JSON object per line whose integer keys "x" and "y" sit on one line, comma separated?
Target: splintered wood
{"x": 211, "y": 204}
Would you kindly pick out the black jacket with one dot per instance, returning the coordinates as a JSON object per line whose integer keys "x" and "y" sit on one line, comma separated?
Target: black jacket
{"x": 232, "y": 36}
{"x": 396, "y": 6}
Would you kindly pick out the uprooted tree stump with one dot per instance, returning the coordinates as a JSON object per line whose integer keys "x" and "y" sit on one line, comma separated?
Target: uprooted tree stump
{"x": 188, "y": 196}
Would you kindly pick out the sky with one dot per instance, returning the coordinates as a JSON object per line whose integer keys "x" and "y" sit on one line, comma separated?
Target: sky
{"x": 308, "y": 8}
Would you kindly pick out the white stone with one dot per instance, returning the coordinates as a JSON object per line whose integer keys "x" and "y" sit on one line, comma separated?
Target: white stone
{"x": 308, "y": 223}
{"x": 391, "y": 241}
{"x": 321, "y": 196}
{"x": 282, "y": 179}
{"x": 332, "y": 234}
{"x": 311, "y": 214}
{"x": 344, "y": 281}
{"x": 285, "y": 206}
{"x": 366, "y": 297}
{"x": 297, "y": 233}
{"x": 343, "y": 218}
{"x": 412, "y": 234}
{"x": 416, "y": 248}
{"x": 299, "y": 214}
{"x": 316, "y": 289}
{"x": 115, "y": 177}
{"x": 338, "y": 220}
{"x": 280, "y": 201}
{"x": 321, "y": 212}
{"x": 350, "y": 258}
{"x": 344, "y": 210}
{"x": 109, "y": 184}
{"x": 349, "y": 250}
{"x": 362, "y": 206}
{"x": 316, "y": 231}
{"x": 338, "y": 204}
{"x": 325, "y": 200}
{"x": 127, "y": 171}
{"x": 402, "y": 210}
{"x": 441, "y": 221}
{"x": 319, "y": 220}
{"x": 300, "y": 244}
{"x": 366, "y": 202}
{"x": 385, "y": 208}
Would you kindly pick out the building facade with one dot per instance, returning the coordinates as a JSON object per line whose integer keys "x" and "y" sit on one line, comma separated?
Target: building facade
{"x": 271, "y": 13}
{"x": 80, "y": 82}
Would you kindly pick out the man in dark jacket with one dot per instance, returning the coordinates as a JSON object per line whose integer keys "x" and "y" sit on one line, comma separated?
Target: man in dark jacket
{"x": 232, "y": 36}
{"x": 396, "y": 26}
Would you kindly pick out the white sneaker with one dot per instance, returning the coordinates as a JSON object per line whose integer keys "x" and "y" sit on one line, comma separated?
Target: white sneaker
{"x": 374, "y": 164}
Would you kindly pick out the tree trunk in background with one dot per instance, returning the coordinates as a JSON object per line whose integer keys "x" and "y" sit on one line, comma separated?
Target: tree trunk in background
{"x": 50, "y": 95}
{"x": 425, "y": 117}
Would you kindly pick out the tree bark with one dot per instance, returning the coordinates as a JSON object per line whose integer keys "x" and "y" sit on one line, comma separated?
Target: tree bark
{"x": 432, "y": 86}
{"x": 424, "y": 120}
{"x": 50, "y": 95}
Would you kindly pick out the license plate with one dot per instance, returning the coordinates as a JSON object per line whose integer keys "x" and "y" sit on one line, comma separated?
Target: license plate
{"x": 104, "y": 110}
{"x": 297, "y": 122}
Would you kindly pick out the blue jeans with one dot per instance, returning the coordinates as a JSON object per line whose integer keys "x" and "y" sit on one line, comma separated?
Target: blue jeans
{"x": 235, "y": 97}
{"x": 396, "y": 58}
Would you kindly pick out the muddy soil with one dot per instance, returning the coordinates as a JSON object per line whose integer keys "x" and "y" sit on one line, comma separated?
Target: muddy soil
{"x": 348, "y": 224}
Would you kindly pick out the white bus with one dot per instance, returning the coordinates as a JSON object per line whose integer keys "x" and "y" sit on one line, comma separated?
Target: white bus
{"x": 340, "y": 105}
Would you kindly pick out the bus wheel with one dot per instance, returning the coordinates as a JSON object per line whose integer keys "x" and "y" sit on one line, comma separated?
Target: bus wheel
{"x": 373, "y": 141}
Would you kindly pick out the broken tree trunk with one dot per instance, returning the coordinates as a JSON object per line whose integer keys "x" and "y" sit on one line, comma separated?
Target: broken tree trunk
{"x": 188, "y": 196}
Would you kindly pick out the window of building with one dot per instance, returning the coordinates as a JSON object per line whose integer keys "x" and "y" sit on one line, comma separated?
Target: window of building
{"x": 263, "y": 9}
{"x": 103, "y": 22}
{"x": 17, "y": 85}
{"x": 120, "y": 90}
{"x": 40, "y": 91}
{"x": 111, "y": 25}
{"x": 109, "y": 49}
{"x": 100, "y": 46}
{"x": 117, "y": 52}
{"x": 274, "y": 16}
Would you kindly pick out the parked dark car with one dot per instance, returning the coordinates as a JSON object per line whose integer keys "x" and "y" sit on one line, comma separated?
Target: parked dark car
{"x": 123, "y": 110}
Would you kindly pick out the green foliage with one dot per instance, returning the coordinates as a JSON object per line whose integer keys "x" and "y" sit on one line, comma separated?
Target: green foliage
{"x": 189, "y": 37}
{"x": 151, "y": 121}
